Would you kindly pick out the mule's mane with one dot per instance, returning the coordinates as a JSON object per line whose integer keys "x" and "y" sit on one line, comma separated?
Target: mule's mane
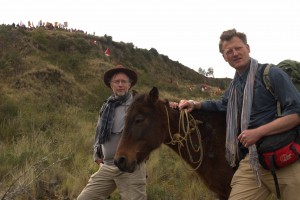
{"x": 139, "y": 97}
{"x": 143, "y": 97}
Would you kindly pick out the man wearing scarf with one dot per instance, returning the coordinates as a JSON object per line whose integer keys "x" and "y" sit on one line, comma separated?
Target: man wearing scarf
{"x": 108, "y": 131}
{"x": 251, "y": 115}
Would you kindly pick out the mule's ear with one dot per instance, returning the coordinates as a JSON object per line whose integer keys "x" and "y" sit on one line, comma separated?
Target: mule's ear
{"x": 153, "y": 95}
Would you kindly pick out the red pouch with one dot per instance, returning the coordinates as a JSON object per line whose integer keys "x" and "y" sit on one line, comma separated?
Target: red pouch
{"x": 280, "y": 157}
{"x": 280, "y": 150}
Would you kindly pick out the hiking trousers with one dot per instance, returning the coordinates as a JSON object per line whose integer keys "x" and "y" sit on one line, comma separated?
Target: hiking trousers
{"x": 244, "y": 184}
{"x": 102, "y": 183}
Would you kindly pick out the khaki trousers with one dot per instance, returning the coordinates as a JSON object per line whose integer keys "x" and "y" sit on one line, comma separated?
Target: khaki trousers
{"x": 244, "y": 185}
{"x": 132, "y": 186}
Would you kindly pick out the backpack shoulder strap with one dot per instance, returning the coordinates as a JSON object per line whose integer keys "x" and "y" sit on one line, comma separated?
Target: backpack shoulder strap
{"x": 267, "y": 83}
{"x": 266, "y": 79}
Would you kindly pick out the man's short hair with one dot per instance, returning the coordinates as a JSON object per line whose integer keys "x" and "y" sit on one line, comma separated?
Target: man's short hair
{"x": 228, "y": 35}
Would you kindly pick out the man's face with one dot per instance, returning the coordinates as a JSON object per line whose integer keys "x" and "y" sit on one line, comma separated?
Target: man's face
{"x": 236, "y": 53}
{"x": 120, "y": 84}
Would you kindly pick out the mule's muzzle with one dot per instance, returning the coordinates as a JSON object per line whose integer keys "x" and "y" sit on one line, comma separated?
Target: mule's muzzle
{"x": 123, "y": 164}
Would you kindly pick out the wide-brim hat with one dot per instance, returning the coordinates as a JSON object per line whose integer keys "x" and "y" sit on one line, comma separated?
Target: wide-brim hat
{"x": 120, "y": 69}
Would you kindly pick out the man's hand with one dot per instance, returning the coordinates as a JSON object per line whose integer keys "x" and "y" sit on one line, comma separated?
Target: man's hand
{"x": 187, "y": 104}
{"x": 99, "y": 161}
{"x": 249, "y": 137}
{"x": 173, "y": 105}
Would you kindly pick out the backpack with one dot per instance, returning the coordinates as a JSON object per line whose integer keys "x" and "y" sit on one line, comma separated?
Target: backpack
{"x": 280, "y": 150}
{"x": 292, "y": 68}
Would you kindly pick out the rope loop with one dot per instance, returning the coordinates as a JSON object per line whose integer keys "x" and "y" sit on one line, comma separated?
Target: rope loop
{"x": 187, "y": 125}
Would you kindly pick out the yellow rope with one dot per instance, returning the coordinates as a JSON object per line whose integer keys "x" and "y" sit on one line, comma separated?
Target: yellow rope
{"x": 185, "y": 138}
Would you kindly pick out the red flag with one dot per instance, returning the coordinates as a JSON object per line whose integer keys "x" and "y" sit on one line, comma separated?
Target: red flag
{"x": 107, "y": 52}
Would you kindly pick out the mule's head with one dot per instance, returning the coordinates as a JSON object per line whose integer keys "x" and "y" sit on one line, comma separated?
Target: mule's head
{"x": 144, "y": 130}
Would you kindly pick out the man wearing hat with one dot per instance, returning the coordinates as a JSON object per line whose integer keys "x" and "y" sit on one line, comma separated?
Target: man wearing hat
{"x": 109, "y": 127}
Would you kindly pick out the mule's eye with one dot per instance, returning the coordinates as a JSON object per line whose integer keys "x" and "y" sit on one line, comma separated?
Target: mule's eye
{"x": 139, "y": 119}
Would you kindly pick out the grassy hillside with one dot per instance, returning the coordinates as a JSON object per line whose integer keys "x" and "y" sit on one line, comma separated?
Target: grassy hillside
{"x": 51, "y": 91}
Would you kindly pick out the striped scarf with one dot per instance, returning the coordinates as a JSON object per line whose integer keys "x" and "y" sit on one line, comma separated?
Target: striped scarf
{"x": 105, "y": 124}
{"x": 232, "y": 121}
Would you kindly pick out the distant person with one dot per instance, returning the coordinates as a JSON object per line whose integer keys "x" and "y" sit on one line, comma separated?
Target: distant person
{"x": 132, "y": 186}
{"x": 252, "y": 117}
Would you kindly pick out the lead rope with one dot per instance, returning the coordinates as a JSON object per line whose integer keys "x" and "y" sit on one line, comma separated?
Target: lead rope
{"x": 177, "y": 138}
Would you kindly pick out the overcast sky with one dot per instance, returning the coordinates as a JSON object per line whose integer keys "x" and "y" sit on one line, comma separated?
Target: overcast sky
{"x": 186, "y": 31}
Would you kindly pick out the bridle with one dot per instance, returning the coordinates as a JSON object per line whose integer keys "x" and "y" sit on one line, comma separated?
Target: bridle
{"x": 185, "y": 139}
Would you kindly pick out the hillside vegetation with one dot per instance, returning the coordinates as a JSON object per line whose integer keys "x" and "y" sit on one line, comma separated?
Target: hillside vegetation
{"x": 51, "y": 92}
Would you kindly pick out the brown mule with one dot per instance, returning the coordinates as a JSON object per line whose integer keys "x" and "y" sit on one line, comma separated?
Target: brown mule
{"x": 150, "y": 122}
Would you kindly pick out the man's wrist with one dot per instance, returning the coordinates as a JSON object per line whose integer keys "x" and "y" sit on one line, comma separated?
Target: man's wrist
{"x": 193, "y": 103}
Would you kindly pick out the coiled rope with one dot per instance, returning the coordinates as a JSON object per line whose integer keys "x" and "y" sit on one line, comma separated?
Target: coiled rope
{"x": 185, "y": 138}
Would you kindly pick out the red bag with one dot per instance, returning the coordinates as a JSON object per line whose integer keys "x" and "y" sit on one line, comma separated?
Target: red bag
{"x": 280, "y": 150}
{"x": 280, "y": 157}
